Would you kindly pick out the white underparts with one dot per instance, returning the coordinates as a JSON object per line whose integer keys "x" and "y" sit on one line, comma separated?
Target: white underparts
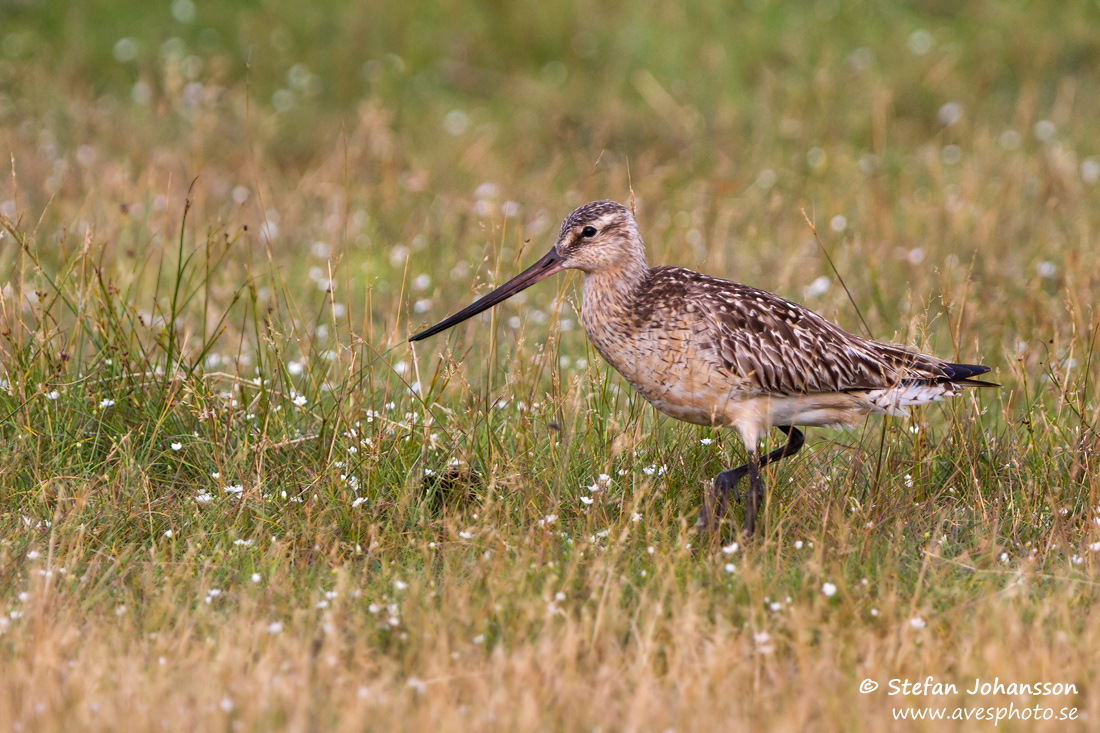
{"x": 897, "y": 400}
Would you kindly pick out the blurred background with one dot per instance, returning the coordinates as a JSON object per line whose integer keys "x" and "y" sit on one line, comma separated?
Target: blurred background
{"x": 947, "y": 153}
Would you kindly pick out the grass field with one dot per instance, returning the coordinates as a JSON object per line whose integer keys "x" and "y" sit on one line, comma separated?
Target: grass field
{"x": 233, "y": 497}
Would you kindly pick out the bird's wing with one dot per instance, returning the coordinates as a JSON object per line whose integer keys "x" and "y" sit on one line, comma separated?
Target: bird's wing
{"x": 777, "y": 347}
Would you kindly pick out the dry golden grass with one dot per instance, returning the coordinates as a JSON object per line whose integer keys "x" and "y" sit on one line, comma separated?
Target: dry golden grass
{"x": 684, "y": 656}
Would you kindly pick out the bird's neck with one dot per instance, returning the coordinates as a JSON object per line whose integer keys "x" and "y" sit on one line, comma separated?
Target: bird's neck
{"x": 610, "y": 294}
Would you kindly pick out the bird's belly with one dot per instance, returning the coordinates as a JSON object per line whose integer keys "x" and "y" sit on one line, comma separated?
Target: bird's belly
{"x": 684, "y": 388}
{"x": 689, "y": 406}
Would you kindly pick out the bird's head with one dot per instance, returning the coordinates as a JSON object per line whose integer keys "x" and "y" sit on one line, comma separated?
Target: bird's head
{"x": 601, "y": 236}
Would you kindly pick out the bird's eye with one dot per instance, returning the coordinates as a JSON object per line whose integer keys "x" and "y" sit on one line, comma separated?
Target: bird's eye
{"x": 588, "y": 231}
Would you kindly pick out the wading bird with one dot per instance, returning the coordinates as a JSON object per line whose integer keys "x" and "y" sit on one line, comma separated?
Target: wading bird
{"x": 714, "y": 352}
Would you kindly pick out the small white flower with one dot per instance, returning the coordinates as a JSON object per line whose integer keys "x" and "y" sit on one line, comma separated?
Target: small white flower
{"x": 226, "y": 705}
{"x": 730, "y": 567}
{"x": 52, "y": 395}
{"x": 374, "y": 608}
{"x": 215, "y": 474}
{"x": 234, "y": 489}
{"x": 1090, "y": 170}
{"x": 874, "y": 612}
{"x": 358, "y": 502}
{"x": 828, "y": 589}
{"x": 586, "y": 500}
{"x": 256, "y": 578}
{"x": 417, "y": 685}
{"x": 730, "y": 548}
{"x": 705, "y": 441}
{"x": 300, "y": 400}
{"x": 949, "y": 114}
{"x": 636, "y": 517}
{"x": 1095, "y": 547}
{"x": 798, "y": 544}
{"x": 204, "y": 498}
{"x": 275, "y": 627}
{"x": 243, "y": 543}
{"x": 818, "y": 287}
{"x": 908, "y": 481}
{"x": 400, "y": 584}
{"x": 466, "y": 535}
{"x": 177, "y": 446}
{"x": 106, "y": 403}
{"x": 763, "y": 642}
{"x": 33, "y": 555}
{"x": 169, "y": 533}
{"x": 917, "y": 622}
{"x": 479, "y": 639}
{"x": 920, "y": 42}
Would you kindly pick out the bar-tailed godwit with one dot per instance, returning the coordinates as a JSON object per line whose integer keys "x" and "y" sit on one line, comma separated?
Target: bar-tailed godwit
{"x": 714, "y": 352}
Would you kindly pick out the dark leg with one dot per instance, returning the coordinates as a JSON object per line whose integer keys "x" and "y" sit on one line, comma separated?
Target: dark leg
{"x": 716, "y": 499}
{"x": 717, "y": 496}
{"x": 754, "y": 497}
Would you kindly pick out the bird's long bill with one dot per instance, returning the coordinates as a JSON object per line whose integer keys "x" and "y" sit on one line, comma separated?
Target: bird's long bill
{"x": 544, "y": 268}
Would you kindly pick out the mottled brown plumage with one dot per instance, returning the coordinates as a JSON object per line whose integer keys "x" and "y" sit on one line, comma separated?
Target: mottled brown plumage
{"x": 715, "y": 352}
